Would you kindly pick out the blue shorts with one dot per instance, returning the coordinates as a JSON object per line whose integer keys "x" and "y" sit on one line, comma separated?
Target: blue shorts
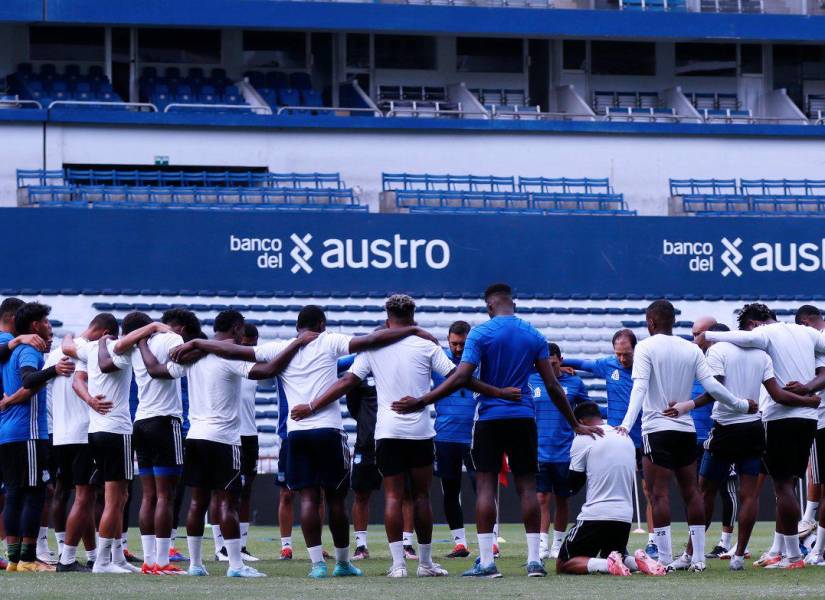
{"x": 715, "y": 469}
{"x": 318, "y": 458}
{"x": 554, "y": 478}
{"x": 449, "y": 457}
{"x": 739, "y": 447}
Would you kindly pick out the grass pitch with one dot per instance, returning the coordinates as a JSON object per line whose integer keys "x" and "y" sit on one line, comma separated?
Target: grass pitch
{"x": 288, "y": 579}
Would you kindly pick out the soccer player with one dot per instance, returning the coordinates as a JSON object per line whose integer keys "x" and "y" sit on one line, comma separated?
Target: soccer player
{"x": 598, "y": 541}
{"x": 286, "y": 496}
{"x": 506, "y": 349}
{"x": 555, "y": 438}
{"x": 454, "y": 418}
{"x": 790, "y": 428}
{"x": 249, "y": 445}
{"x": 664, "y": 368}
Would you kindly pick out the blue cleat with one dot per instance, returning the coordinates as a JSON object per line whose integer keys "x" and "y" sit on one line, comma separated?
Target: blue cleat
{"x": 488, "y": 572}
{"x": 536, "y": 569}
{"x": 197, "y": 571}
{"x": 244, "y": 571}
{"x": 652, "y": 551}
{"x": 175, "y": 556}
{"x": 318, "y": 570}
{"x": 346, "y": 569}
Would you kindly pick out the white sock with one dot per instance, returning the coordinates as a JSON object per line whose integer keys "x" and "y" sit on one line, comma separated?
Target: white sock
{"x": 792, "y": 546}
{"x": 162, "y": 551}
{"x": 485, "y": 548}
{"x": 495, "y": 530}
{"x": 651, "y": 537}
{"x": 724, "y": 540}
{"x": 558, "y": 537}
{"x": 195, "y": 544}
{"x": 244, "y": 534}
{"x": 286, "y": 541}
{"x": 597, "y": 565}
{"x": 819, "y": 546}
{"x": 425, "y": 554}
{"x": 233, "y": 549}
{"x": 91, "y": 554}
{"x": 124, "y": 540}
{"x": 43, "y": 540}
{"x": 407, "y": 538}
{"x": 342, "y": 555}
{"x": 737, "y": 560}
{"x": 697, "y": 536}
{"x": 69, "y": 555}
{"x": 810, "y": 511}
{"x": 664, "y": 545}
{"x": 216, "y": 535}
{"x": 459, "y": 536}
{"x": 60, "y": 536}
{"x": 778, "y": 543}
{"x": 397, "y": 553}
{"x": 173, "y": 535}
{"x": 544, "y": 540}
{"x": 316, "y": 554}
{"x": 360, "y": 539}
{"x": 149, "y": 545}
{"x": 533, "y": 547}
{"x": 104, "y": 555}
{"x": 630, "y": 563}
{"x": 117, "y": 552}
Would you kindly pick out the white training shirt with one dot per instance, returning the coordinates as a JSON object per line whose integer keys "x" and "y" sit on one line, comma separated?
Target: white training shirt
{"x": 309, "y": 374}
{"x": 114, "y": 386}
{"x": 610, "y": 465}
{"x": 70, "y": 414}
{"x": 214, "y": 397}
{"x": 744, "y": 370}
{"x": 402, "y": 369}
{"x": 156, "y": 397}
{"x": 792, "y": 349}
{"x": 246, "y": 410}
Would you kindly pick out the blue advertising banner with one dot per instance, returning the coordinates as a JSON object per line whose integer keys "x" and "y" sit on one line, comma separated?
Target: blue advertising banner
{"x": 218, "y": 250}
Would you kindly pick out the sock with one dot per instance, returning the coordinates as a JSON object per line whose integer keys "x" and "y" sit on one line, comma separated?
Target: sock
{"x": 286, "y": 541}
{"x": 104, "y": 554}
{"x": 342, "y": 555}
{"x": 162, "y": 551}
{"x": 195, "y": 544}
{"x": 360, "y": 539}
{"x": 425, "y": 554}
{"x": 651, "y": 537}
{"x": 778, "y": 542}
{"x": 316, "y": 554}
{"x": 819, "y": 546}
{"x": 485, "y": 548}
{"x": 148, "y": 543}
{"x": 630, "y": 563}
{"x": 60, "y": 537}
{"x": 117, "y": 552}
{"x": 233, "y": 549}
{"x": 124, "y": 540}
{"x": 244, "y": 534}
{"x": 69, "y": 555}
{"x": 495, "y": 531}
{"x": 91, "y": 554}
{"x": 697, "y": 536}
{"x": 14, "y": 552}
{"x": 792, "y": 546}
{"x": 173, "y": 535}
{"x": 724, "y": 540}
{"x": 397, "y": 553}
{"x": 459, "y": 536}
{"x": 43, "y": 540}
{"x": 533, "y": 547}
{"x": 663, "y": 544}
{"x": 810, "y": 511}
{"x": 216, "y": 535}
{"x": 544, "y": 540}
{"x": 597, "y": 565}
{"x": 28, "y": 552}
{"x": 407, "y": 538}
{"x": 558, "y": 537}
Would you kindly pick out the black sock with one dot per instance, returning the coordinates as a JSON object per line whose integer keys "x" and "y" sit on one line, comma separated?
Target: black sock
{"x": 14, "y": 552}
{"x": 28, "y": 552}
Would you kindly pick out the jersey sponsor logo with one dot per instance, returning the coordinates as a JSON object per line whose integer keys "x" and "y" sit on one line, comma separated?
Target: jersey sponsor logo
{"x": 536, "y": 392}
{"x": 615, "y": 375}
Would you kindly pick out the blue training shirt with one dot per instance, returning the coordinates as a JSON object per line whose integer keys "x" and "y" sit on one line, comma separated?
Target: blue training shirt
{"x": 184, "y": 400}
{"x": 619, "y": 383}
{"x": 701, "y": 416}
{"x": 4, "y": 338}
{"x": 505, "y": 350}
{"x": 455, "y": 414}
{"x": 555, "y": 434}
{"x": 27, "y": 420}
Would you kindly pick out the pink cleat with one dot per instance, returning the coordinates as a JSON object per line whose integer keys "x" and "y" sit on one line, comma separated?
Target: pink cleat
{"x": 647, "y": 565}
{"x": 616, "y": 566}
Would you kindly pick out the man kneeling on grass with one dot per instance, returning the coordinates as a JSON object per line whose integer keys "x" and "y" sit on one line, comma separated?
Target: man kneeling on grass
{"x": 598, "y": 541}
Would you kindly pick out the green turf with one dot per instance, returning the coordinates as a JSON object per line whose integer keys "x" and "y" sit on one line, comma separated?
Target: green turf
{"x": 288, "y": 579}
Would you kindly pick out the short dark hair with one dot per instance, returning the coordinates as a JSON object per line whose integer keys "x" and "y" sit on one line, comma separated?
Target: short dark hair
{"x": 587, "y": 410}
{"x": 718, "y": 327}
{"x": 106, "y": 322}
{"x": 554, "y": 349}
{"x": 625, "y": 333}
{"x": 753, "y": 312}
{"x": 400, "y": 306}
{"x": 29, "y": 313}
{"x": 459, "y": 328}
{"x": 134, "y": 320}
{"x": 311, "y": 317}
{"x": 806, "y": 310}
{"x": 227, "y": 320}
{"x": 661, "y": 311}
{"x": 249, "y": 330}
{"x": 185, "y": 318}
{"x": 10, "y": 306}
{"x": 498, "y": 289}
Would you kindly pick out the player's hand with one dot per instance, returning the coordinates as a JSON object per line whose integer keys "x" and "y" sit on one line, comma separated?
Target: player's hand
{"x": 408, "y": 405}
{"x": 65, "y": 367}
{"x": 797, "y": 388}
{"x": 513, "y": 394}
{"x": 813, "y": 401}
{"x": 590, "y": 430}
{"x": 35, "y": 341}
{"x": 423, "y": 333}
{"x": 176, "y": 353}
{"x": 753, "y": 407}
{"x": 301, "y": 411}
{"x": 306, "y": 336}
{"x": 4, "y": 403}
{"x": 621, "y": 431}
{"x": 677, "y": 409}
{"x": 100, "y": 405}
{"x": 568, "y": 370}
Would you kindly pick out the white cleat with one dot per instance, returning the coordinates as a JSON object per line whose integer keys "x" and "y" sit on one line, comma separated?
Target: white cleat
{"x": 815, "y": 559}
{"x": 697, "y": 567}
{"x": 110, "y": 568}
{"x": 397, "y": 572}
{"x": 806, "y": 528}
{"x": 47, "y": 557}
{"x": 554, "y": 551}
{"x": 544, "y": 553}
{"x": 432, "y": 570}
{"x": 129, "y": 567}
{"x": 680, "y": 564}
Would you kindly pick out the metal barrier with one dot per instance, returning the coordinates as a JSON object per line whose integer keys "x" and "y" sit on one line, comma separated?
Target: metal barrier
{"x": 138, "y": 105}
{"x": 258, "y": 110}
{"x": 332, "y": 109}
{"x": 14, "y": 103}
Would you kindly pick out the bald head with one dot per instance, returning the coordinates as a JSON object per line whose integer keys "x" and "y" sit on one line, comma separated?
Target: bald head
{"x": 700, "y": 326}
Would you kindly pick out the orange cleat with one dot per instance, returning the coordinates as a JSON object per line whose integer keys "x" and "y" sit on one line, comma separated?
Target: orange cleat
{"x": 647, "y": 565}
{"x": 286, "y": 554}
{"x": 616, "y": 566}
{"x": 148, "y": 569}
{"x": 167, "y": 569}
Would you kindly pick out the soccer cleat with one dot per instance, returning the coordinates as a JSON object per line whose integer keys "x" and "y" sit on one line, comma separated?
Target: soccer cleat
{"x": 361, "y": 553}
{"x": 697, "y": 567}
{"x": 806, "y": 528}
{"x": 168, "y": 569}
{"x": 652, "y": 550}
{"x": 409, "y": 553}
{"x": 680, "y": 564}
{"x": 544, "y": 553}
{"x": 47, "y": 557}
{"x": 616, "y": 566}
{"x": 736, "y": 565}
{"x": 496, "y": 551}
{"x": 767, "y": 560}
{"x": 128, "y": 567}
{"x": 109, "y": 568}
{"x": 34, "y": 567}
{"x": 175, "y": 556}
{"x": 130, "y": 557}
{"x": 75, "y": 567}
{"x": 244, "y": 571}
{"x": 536, "y": 569}
{"x": 346, "y": 569}
{"x": 459, "y": 551}
{"x": 3, "y": 563}
{"x": 786, "y": 564}
{"x": 221, "y": 555}
{"x": 431, "y": 570}
{"x": 397, "y": 572}
{"x": 11, "y": 567}
{"x": 197, "y": 571}
{"x": 812, "y": 558}
{"x": 488, "y": 572}
{"x": 148, "y": 569}
{"x": 554, "y": 550}
{"x": 730, "y": 553}
{"x": 247, "y": 557}
{"x": 286, "y": 554}
{"x": 318, "y": 570}
{"x": 717, "y": 552}
{"x": 647, "y": 565}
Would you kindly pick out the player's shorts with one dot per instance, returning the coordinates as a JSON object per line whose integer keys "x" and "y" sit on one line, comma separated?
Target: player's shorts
{"x": 595, "y": 539}
{"x": 740, "y": 446}
{"x": 517, "y": 438}
{"x": 449, "y": 458}
{"x": 788, "y": 446}
{"x": 25, "y": 464}
{"x": 670, "y": 449}
{"x": 394, "y": 456}
{"x": 365, "y": 476}
{"x": 51, "y": 465}
{"x": 249, "y": 455}
{"x": 212, "y": 465}
{"x": 159, "y": 446}
{"x": 75, "y": 465}
{"x": 114, "y": 460}
{"x": 554, "y": 478}
{"x": 818, "y": 457}
{"x": 318, "y": 458}
{"x": 283, "y": 459}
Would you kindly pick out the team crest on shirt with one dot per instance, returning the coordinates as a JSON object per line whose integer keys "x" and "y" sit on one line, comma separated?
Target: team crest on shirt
{"x": 45, "y": 476}
{"x": 615, "y": 375}
{"x": 357, "y": 459}
{"x": 536, "y": 392}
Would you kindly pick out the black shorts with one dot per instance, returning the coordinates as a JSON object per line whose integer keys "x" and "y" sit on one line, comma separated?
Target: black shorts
{"x": 159, "y": 446}
{"x": 25, "y": 464}
{"x": 365, "y": 477}
{"x": 788, "y": 445}
{"x": 670, "y": 449}
{"x": 736, "y": 442}
{"x": 595, "y": 539}
{"x": 249, "y": 455}
{"x": 395, "y": 456}
{"x": 450, "y": 457}
{"x": 517, "y": 438}
{"x": 51, "y": 465}
{"x": 283, "y": 459}
{"x": 554, "y": 478}
{"x": 113, "y": 456}
{"x": 75, "y": 465}
{"x": 212, "y": 465}
{"x": 318, "y": 458}
{"x": 818, "y": 457}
